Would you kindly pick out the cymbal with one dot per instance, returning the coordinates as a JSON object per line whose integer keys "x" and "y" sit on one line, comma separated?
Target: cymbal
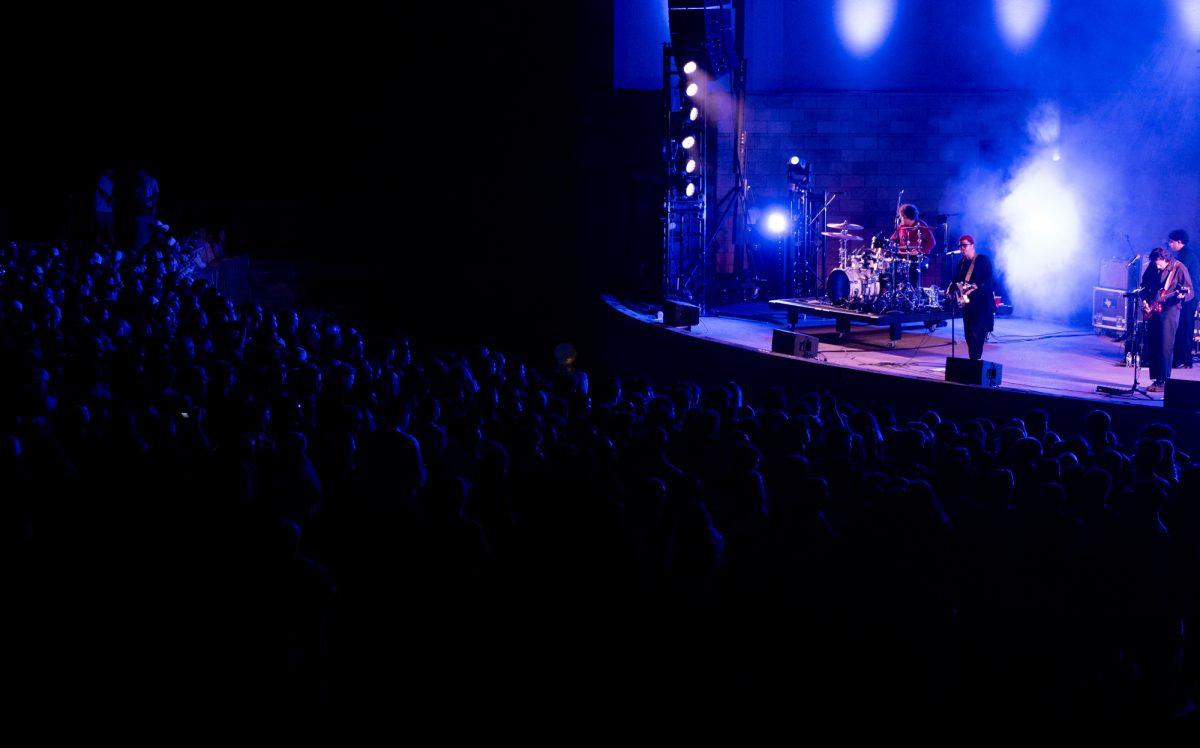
{"x": 846, "y": 226}
{"x": 841, "y": 235}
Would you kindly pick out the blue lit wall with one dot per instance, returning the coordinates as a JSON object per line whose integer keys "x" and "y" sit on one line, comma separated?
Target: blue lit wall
{"x": 1050, "y": 129}
{"x": 1061, "y": 45}
{"x": 639, "y": 30}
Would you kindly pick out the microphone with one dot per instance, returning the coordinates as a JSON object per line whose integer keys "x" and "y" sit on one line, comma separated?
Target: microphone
{"x": 1135, "y": 259}
{"x": 954, "y": 252}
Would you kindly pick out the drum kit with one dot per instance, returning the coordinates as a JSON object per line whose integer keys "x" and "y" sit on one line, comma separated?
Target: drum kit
{"x": 881, "y": 277}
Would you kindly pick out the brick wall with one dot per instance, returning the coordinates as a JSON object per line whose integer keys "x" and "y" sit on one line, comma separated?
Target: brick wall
{"x": 871, "y": 145}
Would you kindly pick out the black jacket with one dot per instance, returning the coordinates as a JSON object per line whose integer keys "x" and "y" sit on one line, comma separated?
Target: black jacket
{"x": 982, "y": 305}
{"x": 1191, "y": 261}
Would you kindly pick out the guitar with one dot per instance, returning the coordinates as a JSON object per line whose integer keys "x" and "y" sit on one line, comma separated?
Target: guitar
{"x": 962, "y": 291}
{"x": 1149, "y": 310}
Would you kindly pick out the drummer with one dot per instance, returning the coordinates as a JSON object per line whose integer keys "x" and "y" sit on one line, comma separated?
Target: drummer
{"x": 912, "y": 235}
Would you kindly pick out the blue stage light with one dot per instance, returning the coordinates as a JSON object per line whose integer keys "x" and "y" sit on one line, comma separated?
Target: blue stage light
{"x": 692, "y": 89}
{"x": 1188, "y": 13}
{"x": 689, "y": 67}
{"x": 688, "y": 141}
{"x": 694, "y": 114}
{"x": 1021, "y": 21}
{"x": 794, "y": 160}
{"x": 863, "y": 25}
{"x": 777, "y": 222}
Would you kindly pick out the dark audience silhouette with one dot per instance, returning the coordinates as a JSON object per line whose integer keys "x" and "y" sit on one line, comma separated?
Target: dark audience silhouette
{"x": 322, "y": 512}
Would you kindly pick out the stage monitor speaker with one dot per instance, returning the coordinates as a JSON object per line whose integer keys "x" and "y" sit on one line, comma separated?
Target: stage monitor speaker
{"x": 966, "y": 371}
{"x": 794, "y": 343}
{"x": 1182, "y": 394}
{"x": 680, "y": 314}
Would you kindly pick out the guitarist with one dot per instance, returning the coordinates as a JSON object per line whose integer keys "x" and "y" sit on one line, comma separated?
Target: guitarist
{"x": 1161, "y": 302}
{"x": 1177, "y": 242}
{"x": 972, "y": 289}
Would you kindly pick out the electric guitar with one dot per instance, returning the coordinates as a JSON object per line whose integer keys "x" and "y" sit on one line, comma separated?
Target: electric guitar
{"x": 962, "y": 291}
{"x": 1149, "y": 310}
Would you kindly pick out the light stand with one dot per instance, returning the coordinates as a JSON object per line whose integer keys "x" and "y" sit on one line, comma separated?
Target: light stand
{"x": 823, "y": 215}
{"x": 799, "y": 174}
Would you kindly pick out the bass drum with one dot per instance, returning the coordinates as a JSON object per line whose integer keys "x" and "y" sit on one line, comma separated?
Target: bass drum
{"x": 843, "y": 285}
{"x": 837, "y": 286}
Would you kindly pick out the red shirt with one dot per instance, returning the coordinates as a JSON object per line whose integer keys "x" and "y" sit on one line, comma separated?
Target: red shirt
{"x": 918, "y": 237}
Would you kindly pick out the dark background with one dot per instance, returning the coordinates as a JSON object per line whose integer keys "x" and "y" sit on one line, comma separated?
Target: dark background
{"x": 431, "y": 156}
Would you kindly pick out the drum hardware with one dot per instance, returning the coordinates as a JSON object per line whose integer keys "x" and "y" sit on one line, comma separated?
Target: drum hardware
{"x": 879, "y": 278}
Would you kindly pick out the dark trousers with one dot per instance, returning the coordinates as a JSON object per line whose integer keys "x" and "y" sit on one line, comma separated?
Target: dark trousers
{"x": 975, "y": 331}
{"x": 1185, "y": 333}
{"x": 1161, "y": 343}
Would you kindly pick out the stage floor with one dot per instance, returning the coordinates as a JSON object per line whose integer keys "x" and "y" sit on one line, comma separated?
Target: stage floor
{"x": 1038, "y": 357}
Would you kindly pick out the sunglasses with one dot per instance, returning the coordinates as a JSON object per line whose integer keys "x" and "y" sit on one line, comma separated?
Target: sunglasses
{"x": 966, "y": 245}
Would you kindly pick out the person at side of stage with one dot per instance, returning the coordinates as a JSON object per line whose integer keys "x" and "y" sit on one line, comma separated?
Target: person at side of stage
{"x": 1173, "y": 279}
{"x": 978, "y": 305}
{"x": 1177, "y": 240}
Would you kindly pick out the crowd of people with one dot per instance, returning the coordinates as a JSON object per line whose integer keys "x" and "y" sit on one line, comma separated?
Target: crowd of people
{"x": 302, "y": 512}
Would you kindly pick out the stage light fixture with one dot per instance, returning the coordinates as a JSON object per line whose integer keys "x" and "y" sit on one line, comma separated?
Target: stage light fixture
{"x": 694, "y": 114}
{"x": 687, "y": 163}
{"x": 692, "y": 89}
{"x": 799, "y": 172}
{"x": 689, "y": 67}
{"x": 688, "y": 142}
{"x": 777, "y": 222}
{"x": 690, "y": 189}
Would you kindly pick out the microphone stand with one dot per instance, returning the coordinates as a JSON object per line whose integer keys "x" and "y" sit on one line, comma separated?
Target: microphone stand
{"x": 955, "y": 308}
{"x": 1136, "y": 343}
{"x": 953, "y": 315}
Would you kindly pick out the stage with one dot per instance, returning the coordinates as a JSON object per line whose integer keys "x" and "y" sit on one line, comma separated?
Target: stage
{"x": 1039, "y": 358}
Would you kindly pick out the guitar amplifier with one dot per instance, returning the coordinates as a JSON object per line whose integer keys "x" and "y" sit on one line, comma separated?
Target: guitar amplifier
{"x": 1120, "y": 274}
{"x": 1109, "y": 309}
